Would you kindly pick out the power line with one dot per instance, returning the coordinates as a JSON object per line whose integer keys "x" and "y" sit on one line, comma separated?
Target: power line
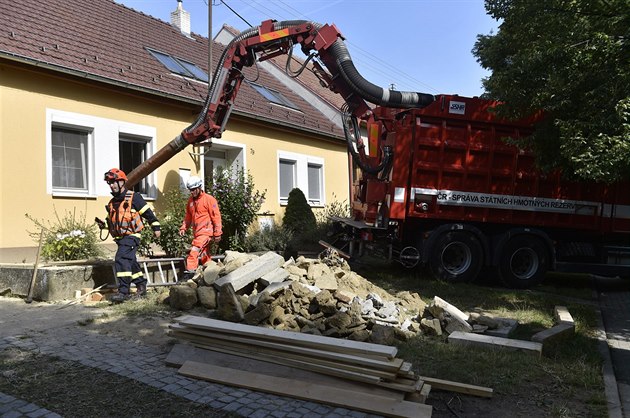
{"x": 366, "y": 59}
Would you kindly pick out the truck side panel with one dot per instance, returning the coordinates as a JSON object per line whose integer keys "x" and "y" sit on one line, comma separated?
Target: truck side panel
{"x": 457, "y": 167}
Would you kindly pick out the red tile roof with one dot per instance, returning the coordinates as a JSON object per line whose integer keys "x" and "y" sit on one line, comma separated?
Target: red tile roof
{"x": 106, "y": 41}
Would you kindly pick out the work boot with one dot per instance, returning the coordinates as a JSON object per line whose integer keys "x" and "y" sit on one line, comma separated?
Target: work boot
{"x": 141, "y": 290}
{"x": 188, "y": 274}
{"x": 119, "y": 298}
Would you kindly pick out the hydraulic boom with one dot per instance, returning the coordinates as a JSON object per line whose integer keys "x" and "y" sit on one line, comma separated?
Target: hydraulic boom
{"x": 322, "y": 43}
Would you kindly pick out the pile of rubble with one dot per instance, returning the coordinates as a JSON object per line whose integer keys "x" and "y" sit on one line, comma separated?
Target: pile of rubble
{"x": 320, "y": 296}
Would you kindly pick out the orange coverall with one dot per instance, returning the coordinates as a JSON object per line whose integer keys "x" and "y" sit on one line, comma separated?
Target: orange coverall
{"x": 204, "y": 217}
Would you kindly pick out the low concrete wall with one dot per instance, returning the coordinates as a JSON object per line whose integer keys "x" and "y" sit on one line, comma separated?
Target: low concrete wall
{"x": 53, "y": 282}
{"x": 59, "y": 282}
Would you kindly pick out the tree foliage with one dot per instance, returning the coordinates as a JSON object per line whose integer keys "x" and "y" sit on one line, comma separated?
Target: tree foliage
{"x": 570, "y": 59}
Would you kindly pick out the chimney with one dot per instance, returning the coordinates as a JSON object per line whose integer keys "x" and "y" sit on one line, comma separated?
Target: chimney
{"x": 181, "y": 19}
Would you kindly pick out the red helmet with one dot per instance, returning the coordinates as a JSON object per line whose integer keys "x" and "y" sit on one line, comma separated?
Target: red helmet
{"x": 115, "y": 174}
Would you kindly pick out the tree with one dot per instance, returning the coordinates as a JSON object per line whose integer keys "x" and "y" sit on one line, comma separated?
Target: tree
{"x": 570, "y": 59}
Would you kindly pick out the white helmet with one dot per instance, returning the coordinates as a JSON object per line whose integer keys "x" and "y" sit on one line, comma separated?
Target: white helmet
{"x": 194, "y": 182}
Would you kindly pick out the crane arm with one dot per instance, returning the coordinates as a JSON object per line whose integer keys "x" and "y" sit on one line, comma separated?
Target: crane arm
{"x": 266, "y": 41}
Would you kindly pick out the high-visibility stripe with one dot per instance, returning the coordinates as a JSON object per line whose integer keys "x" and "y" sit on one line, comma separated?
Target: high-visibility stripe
{"x": 136, "y": 275}
{"x": 144, "y": 209}
{"x": 274, "y": 35}
{"x": 123, "y": 274}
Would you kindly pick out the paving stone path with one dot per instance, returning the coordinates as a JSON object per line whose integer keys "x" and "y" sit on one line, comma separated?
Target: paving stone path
{"x": 112, "y": 354}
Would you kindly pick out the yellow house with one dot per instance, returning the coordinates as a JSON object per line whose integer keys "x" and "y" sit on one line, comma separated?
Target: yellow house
{"x": 87, "y": 85}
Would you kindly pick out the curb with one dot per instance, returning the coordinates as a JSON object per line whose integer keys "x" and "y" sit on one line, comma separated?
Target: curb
{"x": 613, "y": 401}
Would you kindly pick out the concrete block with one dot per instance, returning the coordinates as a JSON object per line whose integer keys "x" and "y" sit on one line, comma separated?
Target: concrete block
{"x": 554, "y": 333}
{"x": 251, "y": 271}
{"x": 274, "y": 276}
{"x": 462, "y": 338}
{"x": 562, "y": 315}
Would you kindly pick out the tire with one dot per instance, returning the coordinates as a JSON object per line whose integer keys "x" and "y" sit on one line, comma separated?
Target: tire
{"x": 523, "y": 262}
{"x": 456, "y": 256}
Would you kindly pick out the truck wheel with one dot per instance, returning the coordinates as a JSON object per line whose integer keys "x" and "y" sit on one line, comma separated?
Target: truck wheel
{"x": 523, "y": 262}
{"x": 456, "y": 256}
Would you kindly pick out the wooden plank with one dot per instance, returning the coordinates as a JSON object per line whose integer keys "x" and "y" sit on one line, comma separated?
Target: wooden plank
{"x": 390, "y": 366}
{"x": 465, "y": 338}
{"x": 306, "y": 390}
{"x": 270, "y": 334}
{"x": 331, "y": 371}
{"x": 331, "y": 247}
{"x": 180, "y": 353}
{"x": 451, "y": 386}
{"x": 244, "y": 347}
{"x": 357, "y": 377}
{"x": 257, "y": 350}
{"x": 296, "y": 361}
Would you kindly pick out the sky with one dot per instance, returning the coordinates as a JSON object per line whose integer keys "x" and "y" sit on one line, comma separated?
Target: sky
{"x": 416, "y": 45}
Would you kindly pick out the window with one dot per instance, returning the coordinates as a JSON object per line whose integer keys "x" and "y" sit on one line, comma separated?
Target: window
{"x": 314, "y": 183}
{"x": 273, "y": 96}
{"x": 180, "y": 66}
{"x": 304, "y": 172}
{"x": 287, "y": 178}
{"x": 69, "y": 158}
{"x": 133, "y": 151}
{"x": 81, "y": 148}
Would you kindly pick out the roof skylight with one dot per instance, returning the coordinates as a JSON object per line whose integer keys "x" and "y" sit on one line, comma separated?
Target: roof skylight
{"x": 180, "y": 66}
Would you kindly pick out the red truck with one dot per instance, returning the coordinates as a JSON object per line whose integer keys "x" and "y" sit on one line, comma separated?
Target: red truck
{"x": 457, "y": 197}
{"x": 436, "y": 184}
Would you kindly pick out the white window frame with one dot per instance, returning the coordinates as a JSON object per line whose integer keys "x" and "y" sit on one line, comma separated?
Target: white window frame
{"x": 302, "y": 161}
{"x": 87, "y": 158}
{"x": 102, "y": 150}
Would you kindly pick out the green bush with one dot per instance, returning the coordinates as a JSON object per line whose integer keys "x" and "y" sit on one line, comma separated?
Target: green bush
{"x": 171, "y": 218}
{"x": 67, "y": 237}
{"x": 268, "y": 239}
{"x": 298, "y": 216}
{"x": 239, "y": 203}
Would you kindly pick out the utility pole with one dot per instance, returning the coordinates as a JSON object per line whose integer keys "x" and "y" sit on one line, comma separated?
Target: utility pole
{"x": 209, "y": 44}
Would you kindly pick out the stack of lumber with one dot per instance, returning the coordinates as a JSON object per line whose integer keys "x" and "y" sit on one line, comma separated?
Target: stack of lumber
{"x": 352, "y": 374}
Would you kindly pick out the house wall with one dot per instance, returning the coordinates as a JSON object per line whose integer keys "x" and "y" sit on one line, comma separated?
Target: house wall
{"x": 26, "y": 97}
{"x": 262, "y": 146}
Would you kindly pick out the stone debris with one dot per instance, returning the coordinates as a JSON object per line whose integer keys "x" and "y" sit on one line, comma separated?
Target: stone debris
{"x": 321, "y": 296}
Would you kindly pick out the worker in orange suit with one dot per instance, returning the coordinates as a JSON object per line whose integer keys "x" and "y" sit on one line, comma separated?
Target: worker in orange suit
{"x": 204, "y": 217}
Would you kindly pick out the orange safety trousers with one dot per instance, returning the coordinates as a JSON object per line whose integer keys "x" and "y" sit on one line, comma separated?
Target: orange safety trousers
{"x": 201, "y": 246}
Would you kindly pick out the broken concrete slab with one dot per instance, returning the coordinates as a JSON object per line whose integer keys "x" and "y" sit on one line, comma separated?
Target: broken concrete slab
{"x": 562, "y": 315}
{"x": 554, "y": 333}
{"x": 486, "y": 341}
{"x": 251, "y": 271}
{"x": 275, "y": 276}
{"x": 505, "y": 329}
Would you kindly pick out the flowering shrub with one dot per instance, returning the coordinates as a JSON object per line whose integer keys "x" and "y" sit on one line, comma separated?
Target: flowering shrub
{"x": 171, "y": 218}
{"x": 270, "y": 238}
{"x": 334, "y": 208}
{"x": 239, "y": 203}
{"x": 68, "y": 238}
